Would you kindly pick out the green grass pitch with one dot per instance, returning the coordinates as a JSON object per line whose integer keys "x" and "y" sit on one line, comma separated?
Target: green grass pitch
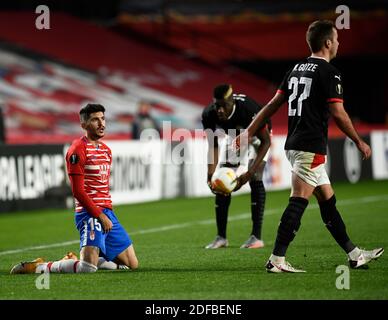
{"x": 169, "y": 238}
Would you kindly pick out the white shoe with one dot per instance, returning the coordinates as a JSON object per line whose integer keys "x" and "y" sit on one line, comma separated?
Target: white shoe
{"x": 281, "y": 267}
{"x": 365, "y": 257}
{"x": 219, "y": 242}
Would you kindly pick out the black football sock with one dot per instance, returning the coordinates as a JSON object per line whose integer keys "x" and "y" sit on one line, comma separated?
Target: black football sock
{"x": 222, "y": 207}
{"x": 335, "y": 224}
{"x": 257, "y": 206}
{"x": 289, "y": 224}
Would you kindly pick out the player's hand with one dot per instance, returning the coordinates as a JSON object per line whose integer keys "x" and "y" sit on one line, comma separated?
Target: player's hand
{"x": 242, "y": 179}
{"x": 105, "y": 222}
{"x": 364, "y": 149}
{"x": 212, "y": 188}
{"x": 209, "y": 182}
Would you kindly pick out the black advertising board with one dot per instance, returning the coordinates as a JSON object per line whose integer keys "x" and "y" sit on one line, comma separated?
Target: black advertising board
{"x": 345, "y": 162}
{"x": 29, "y": 176}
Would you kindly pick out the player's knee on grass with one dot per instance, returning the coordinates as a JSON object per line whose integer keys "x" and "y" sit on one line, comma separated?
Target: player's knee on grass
{"x": 134, "y": 263}
{"x": 128, "y": 258}
{"x": 131, "y": 262}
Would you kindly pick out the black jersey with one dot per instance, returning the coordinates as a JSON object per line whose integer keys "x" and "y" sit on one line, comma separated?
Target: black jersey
{"x": 310, "y": 87}
{"x": 244, "y": 111}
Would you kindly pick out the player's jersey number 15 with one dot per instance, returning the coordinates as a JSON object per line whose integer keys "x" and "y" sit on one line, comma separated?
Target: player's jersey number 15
{"x": 295, "y": 100}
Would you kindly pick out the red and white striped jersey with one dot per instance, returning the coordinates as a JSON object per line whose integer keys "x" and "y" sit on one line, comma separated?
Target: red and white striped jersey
{"x": 94, "y": 164}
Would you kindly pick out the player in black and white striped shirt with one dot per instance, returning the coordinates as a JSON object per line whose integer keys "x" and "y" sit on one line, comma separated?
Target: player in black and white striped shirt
{"x": 231, "y": 113}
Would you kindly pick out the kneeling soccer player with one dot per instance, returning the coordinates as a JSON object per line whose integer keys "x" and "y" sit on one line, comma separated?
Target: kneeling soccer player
{"x": 104, "y": 243}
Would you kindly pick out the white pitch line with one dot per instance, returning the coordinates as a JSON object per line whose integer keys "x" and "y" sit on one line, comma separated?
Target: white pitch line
{"x": 199, "y": 222}
{"x": 54, "y": 245}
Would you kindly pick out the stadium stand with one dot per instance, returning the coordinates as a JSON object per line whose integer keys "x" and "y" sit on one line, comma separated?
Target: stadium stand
{"x": 47, "y": 75}
{"x": 267, "y": 38}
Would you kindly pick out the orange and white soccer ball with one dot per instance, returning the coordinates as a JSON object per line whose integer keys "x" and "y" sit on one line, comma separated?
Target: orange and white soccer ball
{"x": 224, "y": 180}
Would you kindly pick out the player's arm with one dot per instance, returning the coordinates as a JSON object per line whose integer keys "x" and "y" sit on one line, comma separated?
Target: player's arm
{"x": 212, "y": 142}
{"x": 265, "y": 142}
{"x": 78, "y": 190}
{"x": 265, "y": 113}
{"x": 75, "y": 162}
{"x": 212, "y": 159}
{"x": 345, "y": 124}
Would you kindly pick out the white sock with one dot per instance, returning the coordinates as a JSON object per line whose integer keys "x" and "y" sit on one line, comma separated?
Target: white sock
{"x": 106, "y": 265}
{"x": 66, "y": 266}
{"x": 354, "y": 254}
{"x": 277, "y": 259}
{"x": 41, "y": 267}
{"x": 62, "y": 266}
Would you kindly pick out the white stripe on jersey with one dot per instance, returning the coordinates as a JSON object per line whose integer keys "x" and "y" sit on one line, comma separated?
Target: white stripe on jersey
{"x": 95, "y": 155}
{"x": 99, "y": 161}
{"x": 93, "y": 186}
{"x": 94, "y": 149}
{"x": 92, "y": 167}
{"x": 100, "y": 181}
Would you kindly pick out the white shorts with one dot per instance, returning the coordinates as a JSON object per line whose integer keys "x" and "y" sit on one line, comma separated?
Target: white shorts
{"x": 308, "y": 166}
{"x": 241, "y": 160}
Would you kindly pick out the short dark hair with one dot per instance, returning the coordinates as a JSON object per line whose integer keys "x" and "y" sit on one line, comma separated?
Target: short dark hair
{"x": 221, "y": 90}
{"x": 90, "y": 108}
{"x": 318, "y": 32}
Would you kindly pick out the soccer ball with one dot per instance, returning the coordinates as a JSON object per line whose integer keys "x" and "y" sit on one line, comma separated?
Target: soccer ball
{"x": 224, "y": 180}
